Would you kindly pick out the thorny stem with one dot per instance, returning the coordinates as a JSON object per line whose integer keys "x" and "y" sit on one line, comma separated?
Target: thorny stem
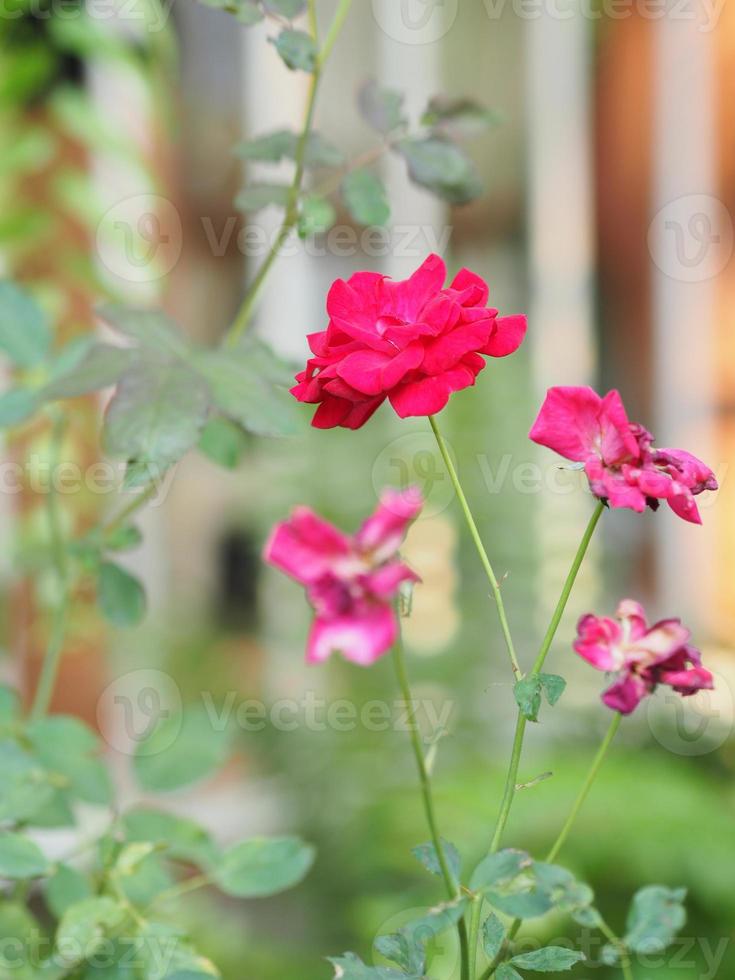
{"x": 291, "y": 215}
{"x": 424, "y": 778}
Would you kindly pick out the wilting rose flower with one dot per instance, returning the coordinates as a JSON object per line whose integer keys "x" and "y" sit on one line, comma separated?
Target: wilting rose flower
{"x": 350, "y": 580}
{"x": 413, "y": 342}
{"x": 619, "y": 459}
{"x": 642, "y": 656}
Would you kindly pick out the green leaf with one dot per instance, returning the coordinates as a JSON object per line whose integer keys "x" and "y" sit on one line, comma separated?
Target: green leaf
{"x": 157, "y": 414}
{"x": 402, "y": 950}
{"x": 297, "y": 49}
{"x": 457, "y": 118}
{"x": 441, "y": 167}
{"x": 316, "y": 215}
{"x": 381, "y": 107}
{"x": 67, "y": 748}
{"x": 124, "y": 538}
{"x": 181, "y": 962}
{"x": 120, "y": 595}
{"x": 527, "y": 693}
{"x": 184, "y": 840}
{"x": 320, "y": 152}
{"x": 263, "y": 360}
{"x": 84, "y": 928}
{"x": 269, "y": 148}
{"x": 25, "y": 332}
{"x": 182, "y": 749}
{"x": 565, "y": 892}
{"x": 65, "y": 888}
{"x": 255, "y": 197}
{"x": 242, "y": 392}
{"x": 506, "y": 972}
{"x": 493, "y": 936}
{"x": 426, "y": 854}
{"x": 499, "y": 868}
{"x": 437, "y": 920}
{"x": 248, "y": 12}
{"x": 20, "y": 858}
{"x": 350, "y": 967}
{"x": 101, "y": 366}
{"x": 656, "y": 915}
{"x": 223, "y": 442}
{"x": 551, "y": 959}
{"x": 24, "y": 785}
{"x": 263, "y": 866}
{"x": 285, "y": 8}
{"x": 284, "y": 143}
{"x": 17, "y": 405}
{"x": 527, "y": 903}
{"x": 365, "y": 197}
{"x": 553, "y": 686}
{"x": 152, "y": 329}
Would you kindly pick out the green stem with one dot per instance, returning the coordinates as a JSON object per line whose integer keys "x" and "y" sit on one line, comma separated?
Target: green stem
{"x": 182, "y": 888}
{"x": 564, "y": 833}
{"x": 121, "y": 519}
{"x": 512, "y": 778}
{"x": 245, "y": 313}
{"x": 568, "y": 586}
{"x": 425, "y": 781}
{"x": 52, "y": 659}
{"x": 475, "y": 534}
{"x": 587, "y": 786}
{"x": 612, "y": 938}
{"x": 511, "y": 781}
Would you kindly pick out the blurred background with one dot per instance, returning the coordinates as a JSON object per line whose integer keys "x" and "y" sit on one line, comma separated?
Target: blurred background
{"x": 607, "y": 217}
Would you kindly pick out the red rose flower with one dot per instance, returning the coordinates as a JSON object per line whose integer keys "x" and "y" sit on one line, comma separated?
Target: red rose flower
{"x": 413, "y": 342}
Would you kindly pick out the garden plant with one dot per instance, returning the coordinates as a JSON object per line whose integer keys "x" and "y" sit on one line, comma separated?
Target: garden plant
{"x": 109, "y": 908}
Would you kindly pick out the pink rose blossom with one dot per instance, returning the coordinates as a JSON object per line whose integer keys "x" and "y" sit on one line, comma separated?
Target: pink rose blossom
{"x": 350, "y": 580}
{"x": 641, "y": 656}
{"x": 413, "y": 342}
{"x": 621, "y": 464}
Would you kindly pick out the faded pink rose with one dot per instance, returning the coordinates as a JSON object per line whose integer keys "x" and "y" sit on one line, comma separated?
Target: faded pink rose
{"x": 351, "y": 581}
{"x": 641, "y": 656}
{"x": 621, "y": 464}
{"x": 413, "y": 342}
